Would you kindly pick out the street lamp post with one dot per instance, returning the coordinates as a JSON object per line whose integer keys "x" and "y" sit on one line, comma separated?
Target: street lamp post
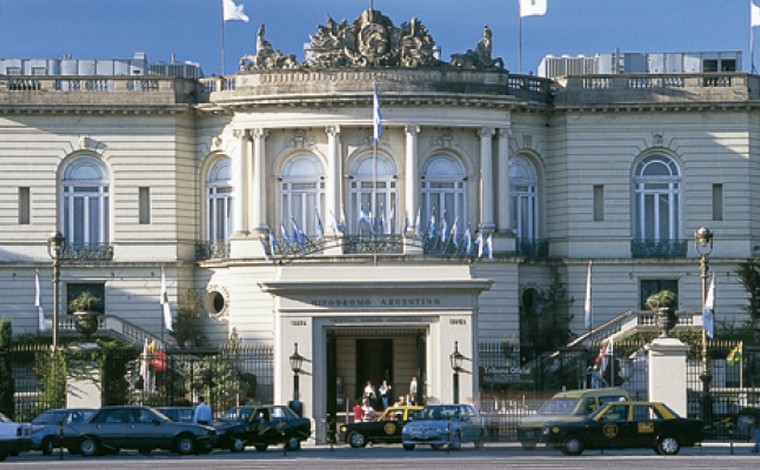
{"x": 703, "y": 242}
{"x": 55, "y": 244}
{"x": 296, "y": 362}
{"x": 456, "y": 359}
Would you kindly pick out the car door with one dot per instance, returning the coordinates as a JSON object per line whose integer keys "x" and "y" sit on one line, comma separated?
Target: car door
{"x": 469, "y": 424}
{"x": 147, "y": 430}
{"x": 613, "y": 427}
{"x": 110, "y": 426}
{"x": 643, "y": 426}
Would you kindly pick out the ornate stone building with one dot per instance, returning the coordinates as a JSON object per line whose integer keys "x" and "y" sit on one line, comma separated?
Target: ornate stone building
{"x": 268, "y": 192}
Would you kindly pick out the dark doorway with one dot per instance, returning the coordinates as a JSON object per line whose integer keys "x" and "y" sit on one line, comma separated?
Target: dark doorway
{"x": 374, "y": 361}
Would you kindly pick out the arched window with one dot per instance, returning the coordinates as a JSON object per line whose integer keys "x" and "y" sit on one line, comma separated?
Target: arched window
{"x": 219, "y": 201}
{"x": 444, "y": 190}
{"x": 657, "y": 199}
{"x": 373, "y": 176}
{"x": 523, "y": 189}
{"x": 85, "y": 185}
{"x": 302, "y": 193}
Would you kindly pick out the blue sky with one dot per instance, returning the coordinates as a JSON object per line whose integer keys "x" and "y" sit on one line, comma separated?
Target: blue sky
{"x": 191, "y": 29}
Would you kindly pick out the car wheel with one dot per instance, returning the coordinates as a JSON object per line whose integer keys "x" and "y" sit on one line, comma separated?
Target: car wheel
{"x": 528, "y": 445}
{"x": 260, "y": 447}
{"x": 47, "y": 446}
{"x": 668, "y": 445}
{"x": 238, "y": 445}
{"x": 292, "y": 443}
{"x": 408, "y": 446}
{"x": 572, "y": 445}
{"x": 357, "y": 439}
{"x": 89, "y": 447}
{"x": 185, "y": 445}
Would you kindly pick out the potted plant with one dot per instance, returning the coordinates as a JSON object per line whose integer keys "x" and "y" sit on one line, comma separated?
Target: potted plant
{"x": 86, "y": 307}
{"x": 664, "y": 304}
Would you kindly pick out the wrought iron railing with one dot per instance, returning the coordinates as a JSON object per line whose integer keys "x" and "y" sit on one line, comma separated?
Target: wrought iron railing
{"x": 379, "y": 244}
{"x": 88, "y": 252}
{"x": 212, "y": 250}
{"x": 532, "y": 248}
{"x": 659, "y": 248}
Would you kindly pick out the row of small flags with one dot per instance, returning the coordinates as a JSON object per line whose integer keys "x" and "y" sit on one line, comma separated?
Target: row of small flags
{"x": 295, "y": 236}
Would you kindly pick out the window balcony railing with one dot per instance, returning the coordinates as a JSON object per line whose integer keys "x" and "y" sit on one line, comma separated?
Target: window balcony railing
{"x": 212, "y": 250}
{"x": 659, "y": 248}
{"x": 532, "y": 248}
{"x": 88, "y": 252}
{"x": 369, "y": 244}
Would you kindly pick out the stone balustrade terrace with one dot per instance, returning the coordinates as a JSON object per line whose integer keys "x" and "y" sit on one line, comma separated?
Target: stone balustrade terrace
{"x": 92, "y": 91}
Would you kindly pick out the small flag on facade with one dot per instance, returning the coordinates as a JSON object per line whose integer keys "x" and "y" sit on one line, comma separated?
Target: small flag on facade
{"x": 708, "y": 314}
{"x": 41, "y": 322}
{"x": 377, "y": 116}
{"x": 167, "y": 311}
{"x": 587, "y": 306}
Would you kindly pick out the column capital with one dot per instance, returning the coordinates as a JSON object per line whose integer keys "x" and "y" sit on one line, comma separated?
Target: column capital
{"x": 258, "y": 132}
{"x": 504, "y": 133}
{"x": 332, "y": 131}
{"x": 241, "y": 133}
{"x": 412, "y": 129}
{"x": 486, "y": 132}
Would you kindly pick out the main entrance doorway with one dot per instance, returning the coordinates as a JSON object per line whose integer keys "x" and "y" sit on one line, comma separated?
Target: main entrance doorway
{"x": 355, "y": 356}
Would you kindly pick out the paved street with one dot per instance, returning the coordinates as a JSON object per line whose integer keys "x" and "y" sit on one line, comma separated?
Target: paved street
{"x": 387, "y": 457}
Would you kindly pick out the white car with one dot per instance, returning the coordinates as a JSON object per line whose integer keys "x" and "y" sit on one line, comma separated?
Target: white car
{"x": 450, "y": 425}
{"x": 14, "y": 437}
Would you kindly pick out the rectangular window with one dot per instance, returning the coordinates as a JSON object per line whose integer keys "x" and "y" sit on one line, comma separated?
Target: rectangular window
{"x": 653, "y": 286}
{"x": 144, "y": 205}
{"x": 717, "y": 202}
{"x": 598, "y": 202}
{"x": 24, "y": 206}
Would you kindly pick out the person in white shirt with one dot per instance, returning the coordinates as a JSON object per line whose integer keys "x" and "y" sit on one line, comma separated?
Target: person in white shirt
{"x": 203, "y": 413}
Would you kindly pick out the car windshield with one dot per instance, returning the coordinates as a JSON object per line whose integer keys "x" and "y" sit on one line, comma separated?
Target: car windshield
{"x": 558, "y": 406}
{"x": 439, "y": 412}
{"x": 50, "y": 417}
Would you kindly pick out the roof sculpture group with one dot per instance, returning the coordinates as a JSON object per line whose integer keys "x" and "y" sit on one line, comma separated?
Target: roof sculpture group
{"x": 372, "y": 40}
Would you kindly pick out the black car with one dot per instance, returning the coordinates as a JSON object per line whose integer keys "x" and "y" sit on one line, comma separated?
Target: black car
{"x": 46, "y": 427}
{"x": 135, "y": 427}
{"x": 386, "y": 428}
{"x": 230, "y": 427}
{"x": 621, "y": 425}
{"x": 271, "y": 425}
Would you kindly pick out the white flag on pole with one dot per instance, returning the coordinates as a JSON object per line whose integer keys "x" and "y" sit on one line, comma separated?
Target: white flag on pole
{"x": 233, "y": 11}
{"x": 532, "y": 7}
{"x": 377, "y": 116}
{"x": 754, "y": 14}
{"x": 587, "y": 314}
{"x": 708, "y": 314}
{"x": 165, "y": 303}
{"x": 41, "y": 323}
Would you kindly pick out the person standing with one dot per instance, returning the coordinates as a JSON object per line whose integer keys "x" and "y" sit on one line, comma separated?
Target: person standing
{"x": 413, "y": 391}
{"x": 385, "y": 391}
{"x": 202, "y": 414}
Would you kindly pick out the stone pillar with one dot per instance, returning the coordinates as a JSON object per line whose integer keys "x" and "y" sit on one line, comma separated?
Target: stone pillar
{"x": 667, "y": 373}
{"x": 486, "y": 178}
{"x": 259, "y": 189}
{"x": 239, "y": 226}
{"x": 333, "y": 192}
{"x": 411, "y": 187}
{"x": 504, "y": 241}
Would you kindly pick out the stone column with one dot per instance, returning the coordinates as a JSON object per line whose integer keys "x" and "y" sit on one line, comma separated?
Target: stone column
{"x": 333, "y": 191}
{"x": 259, "y": 189}
{"x": 239, "y": 166}
{"x": 333, "y": 180}
{"x": 504, "y": 241}
{"x": 411, "y": 186}
{"x": 486, "y": 178}
{"x": 667, "y": 373}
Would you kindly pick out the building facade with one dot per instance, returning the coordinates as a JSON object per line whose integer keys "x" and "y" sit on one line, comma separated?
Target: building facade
{"x": 375, "y": 251}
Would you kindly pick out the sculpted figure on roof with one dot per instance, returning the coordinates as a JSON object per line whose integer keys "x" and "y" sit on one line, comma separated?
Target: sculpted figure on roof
{"x": 266, "y": 57}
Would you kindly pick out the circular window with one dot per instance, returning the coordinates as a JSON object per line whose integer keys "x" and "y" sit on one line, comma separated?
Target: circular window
{"x": 215, "y": 303}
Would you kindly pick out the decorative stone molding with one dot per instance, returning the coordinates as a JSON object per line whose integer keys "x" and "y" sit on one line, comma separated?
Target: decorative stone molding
{"x": 658, "y": 139}
{"x": 444, "y": 138}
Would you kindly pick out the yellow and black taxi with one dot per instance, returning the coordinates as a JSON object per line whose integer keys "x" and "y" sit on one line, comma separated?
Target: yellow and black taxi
{"x": 621, "y": 425}
{"x": 386, "y": 428}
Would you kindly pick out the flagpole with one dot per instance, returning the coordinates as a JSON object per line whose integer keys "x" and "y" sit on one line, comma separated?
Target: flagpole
{"x": 222, "y": 4}
{"x": 519, "y": 38}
